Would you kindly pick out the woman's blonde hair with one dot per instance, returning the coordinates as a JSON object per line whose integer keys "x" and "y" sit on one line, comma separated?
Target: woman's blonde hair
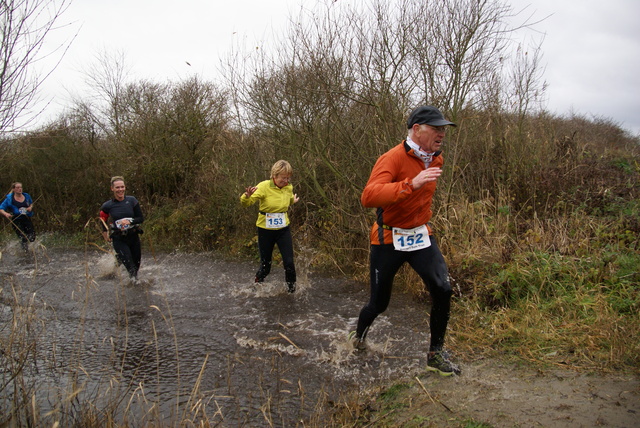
{"x": 281, "y": 167}
{"x": 117, "y": 178}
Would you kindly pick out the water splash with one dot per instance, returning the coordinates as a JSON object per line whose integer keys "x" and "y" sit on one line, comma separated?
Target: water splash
{"x": 193, "y": 308}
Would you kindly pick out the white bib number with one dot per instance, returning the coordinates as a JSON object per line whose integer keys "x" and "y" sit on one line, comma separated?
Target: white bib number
{"x": 122, "y": 226}
{"x": 275, "y": 220}
{"x": 411, "y": 239}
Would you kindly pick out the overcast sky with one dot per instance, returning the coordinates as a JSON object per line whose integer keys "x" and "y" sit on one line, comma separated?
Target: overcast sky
{"x": 591, "y": 49}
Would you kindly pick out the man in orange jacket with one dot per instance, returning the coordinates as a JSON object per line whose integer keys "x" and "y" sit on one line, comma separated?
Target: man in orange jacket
{"x": 401, "y": 187}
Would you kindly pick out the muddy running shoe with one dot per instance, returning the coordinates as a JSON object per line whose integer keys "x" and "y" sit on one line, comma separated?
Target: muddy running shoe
{"x": 291, "y": 287}
{"x": 439, "y": 362}
{"x": 357, "y": 342}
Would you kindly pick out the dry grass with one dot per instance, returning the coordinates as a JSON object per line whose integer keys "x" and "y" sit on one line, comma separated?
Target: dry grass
{"x": 562, "y": 290}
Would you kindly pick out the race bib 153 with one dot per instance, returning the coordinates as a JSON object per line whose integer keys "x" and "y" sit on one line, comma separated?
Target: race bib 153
{"x": 275, "y": 220}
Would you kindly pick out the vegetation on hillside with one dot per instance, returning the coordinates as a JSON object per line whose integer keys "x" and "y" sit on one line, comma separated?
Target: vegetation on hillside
{"x": 537, "y": 214}
{"x": 533, "y": 209}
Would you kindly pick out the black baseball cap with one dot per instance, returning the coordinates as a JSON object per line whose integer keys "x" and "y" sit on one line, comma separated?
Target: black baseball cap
{"x": 427, "y": 115}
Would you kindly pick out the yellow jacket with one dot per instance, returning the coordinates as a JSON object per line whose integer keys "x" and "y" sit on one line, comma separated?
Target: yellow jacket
{"x": 272, "y": 200}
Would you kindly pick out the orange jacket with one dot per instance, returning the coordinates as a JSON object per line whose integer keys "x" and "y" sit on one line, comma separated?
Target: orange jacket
{"x": 389, "y": 190}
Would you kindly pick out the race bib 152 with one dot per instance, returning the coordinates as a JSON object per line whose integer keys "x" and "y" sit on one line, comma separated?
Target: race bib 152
{"x": 411, "y": 239}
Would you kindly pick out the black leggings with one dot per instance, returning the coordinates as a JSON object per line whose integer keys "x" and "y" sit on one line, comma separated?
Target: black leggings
{"x": 430, "y": 266}
{"x": 24, "y": 228}
{"x": 267, "y": 239}
{"x": 128, "y": 252}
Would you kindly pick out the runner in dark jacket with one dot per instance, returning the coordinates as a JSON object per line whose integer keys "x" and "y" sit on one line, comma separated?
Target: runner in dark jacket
{"x": 121, "y": 218}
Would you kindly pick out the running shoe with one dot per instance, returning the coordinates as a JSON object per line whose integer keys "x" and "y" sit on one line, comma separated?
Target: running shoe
{"x": 357, "y": 342}
{"x": 440, "y": 363}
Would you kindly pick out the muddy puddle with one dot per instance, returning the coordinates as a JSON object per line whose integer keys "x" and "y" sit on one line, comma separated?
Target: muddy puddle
{"x": 198, "y": 332}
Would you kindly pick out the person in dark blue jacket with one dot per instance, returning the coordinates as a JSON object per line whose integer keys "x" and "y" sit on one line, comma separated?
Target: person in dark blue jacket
{"x": 121, "y": 218}
{"x": 17, "y": 206}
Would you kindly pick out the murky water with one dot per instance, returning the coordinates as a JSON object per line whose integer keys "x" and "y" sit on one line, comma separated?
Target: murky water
{"x": 198, "y": 333}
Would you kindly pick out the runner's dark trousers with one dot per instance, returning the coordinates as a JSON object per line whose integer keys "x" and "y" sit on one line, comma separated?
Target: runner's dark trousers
{"x": 23, "y": 226}
{"x": 267, "y": 239}
{"x": 128, "y": 252}
{"x": 430, "y": 265}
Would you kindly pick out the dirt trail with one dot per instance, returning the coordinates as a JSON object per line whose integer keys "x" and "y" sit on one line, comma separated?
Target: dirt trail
{"x": 502, "y": 395}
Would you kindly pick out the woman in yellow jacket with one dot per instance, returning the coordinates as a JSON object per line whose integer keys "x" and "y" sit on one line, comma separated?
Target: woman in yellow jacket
{"x": 274, "y": 196}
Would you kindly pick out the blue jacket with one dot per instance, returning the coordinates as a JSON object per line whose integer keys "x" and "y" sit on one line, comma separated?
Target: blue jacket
{"x": 8, "y": 206}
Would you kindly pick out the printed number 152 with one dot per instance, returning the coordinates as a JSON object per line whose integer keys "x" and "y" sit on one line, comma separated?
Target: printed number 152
{"x": 411, "y": 240}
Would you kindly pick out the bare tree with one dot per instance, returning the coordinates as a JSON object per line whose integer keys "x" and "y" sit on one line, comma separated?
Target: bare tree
{"x": 24, "y": 25}
{"x": 526, "y": 78}
{"x": 107, "y": 79}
